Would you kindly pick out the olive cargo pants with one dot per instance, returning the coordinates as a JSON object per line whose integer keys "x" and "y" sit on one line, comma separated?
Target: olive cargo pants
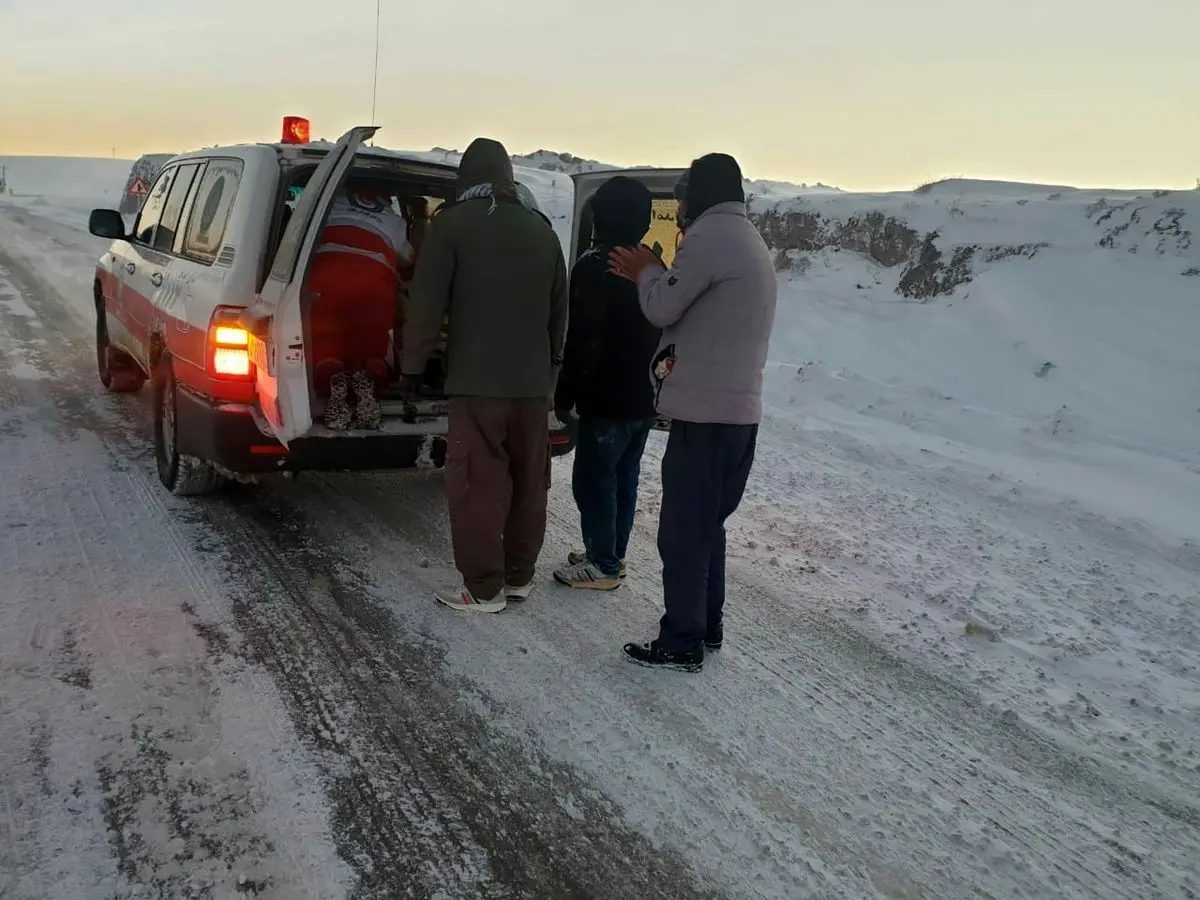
{"x": 497, "y": 479}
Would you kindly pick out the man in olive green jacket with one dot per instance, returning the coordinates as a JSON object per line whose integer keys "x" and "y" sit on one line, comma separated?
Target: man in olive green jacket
{"x": 496, "y": 267}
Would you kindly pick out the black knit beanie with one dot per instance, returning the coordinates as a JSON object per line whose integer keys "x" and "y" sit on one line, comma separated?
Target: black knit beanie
{"x": 712, "y": 179}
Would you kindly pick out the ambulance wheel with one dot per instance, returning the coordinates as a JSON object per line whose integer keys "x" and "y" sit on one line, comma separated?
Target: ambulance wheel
{"x": 183, "y": 476}
{"x": 118, "y": 372}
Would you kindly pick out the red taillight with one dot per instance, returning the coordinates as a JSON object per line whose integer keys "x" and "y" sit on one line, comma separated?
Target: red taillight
{"x": 295, "y": 130}
{"x": 228, "y": 345}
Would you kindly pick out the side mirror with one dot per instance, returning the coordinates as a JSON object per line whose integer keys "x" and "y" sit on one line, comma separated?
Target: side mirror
{"x": 106, "y": 223}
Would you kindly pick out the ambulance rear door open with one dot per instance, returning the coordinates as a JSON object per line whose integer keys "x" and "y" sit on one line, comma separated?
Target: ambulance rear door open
{"x": 275, "y": 321}
{"x": 663, "y": 228}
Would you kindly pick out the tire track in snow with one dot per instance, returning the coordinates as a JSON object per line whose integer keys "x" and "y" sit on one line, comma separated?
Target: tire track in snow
{"x": 1035, "y": 751}
{"x": 428, "y": 800}
{"x": 1032, "y": 790}
{"x": 136, "y": 751}
{"x": 893, "y": 764}
{"x": 540, "y": 829}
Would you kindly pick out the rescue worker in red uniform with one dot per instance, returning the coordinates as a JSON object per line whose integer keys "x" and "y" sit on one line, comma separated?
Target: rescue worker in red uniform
{"x": 355, "y": 279}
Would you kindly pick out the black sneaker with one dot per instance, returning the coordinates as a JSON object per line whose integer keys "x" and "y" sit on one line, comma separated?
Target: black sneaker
{"x": 654, "y": 657}
{"x": 715, "y": 637}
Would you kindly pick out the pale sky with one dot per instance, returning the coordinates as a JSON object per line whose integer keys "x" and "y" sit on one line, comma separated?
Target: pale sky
{"x": 862, "y": 94}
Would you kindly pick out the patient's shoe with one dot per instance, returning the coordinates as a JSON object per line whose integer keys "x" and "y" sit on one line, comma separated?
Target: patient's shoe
{"x": 337, "y": 407}
{"x": 323, "y": 373}
{"x": 367, "y": 413}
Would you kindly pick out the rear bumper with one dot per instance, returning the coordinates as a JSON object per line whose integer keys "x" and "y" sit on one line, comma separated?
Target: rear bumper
{"x": 228, "y": 435}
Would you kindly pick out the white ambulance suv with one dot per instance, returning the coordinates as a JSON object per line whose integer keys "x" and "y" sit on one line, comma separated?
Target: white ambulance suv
{"x": 206, "y": 298}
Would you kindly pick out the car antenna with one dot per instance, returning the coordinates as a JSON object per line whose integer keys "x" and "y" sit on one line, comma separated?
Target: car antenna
{"x": 375, "y": 82}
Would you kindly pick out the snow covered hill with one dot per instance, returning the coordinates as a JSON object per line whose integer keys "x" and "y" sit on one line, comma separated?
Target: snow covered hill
{"x": 65, "y": 177}
{"x": 1006, "y": 319}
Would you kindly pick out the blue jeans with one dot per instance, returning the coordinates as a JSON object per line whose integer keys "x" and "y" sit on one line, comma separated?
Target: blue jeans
{"x": 608, "y": 463}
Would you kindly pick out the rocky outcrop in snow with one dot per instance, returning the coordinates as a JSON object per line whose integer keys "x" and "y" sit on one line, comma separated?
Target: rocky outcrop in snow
{"x": 929, "y": 270}
{"x": 1138, "y": 226}
{"x": 939, "y": 243}
{"x": 551, "y": 161}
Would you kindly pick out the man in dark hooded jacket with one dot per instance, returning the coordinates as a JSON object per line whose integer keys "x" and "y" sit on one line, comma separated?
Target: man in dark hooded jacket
{"x": 716, "y": 306}
{"x": 605, "y": 380}
{"x": 496, "y": 267}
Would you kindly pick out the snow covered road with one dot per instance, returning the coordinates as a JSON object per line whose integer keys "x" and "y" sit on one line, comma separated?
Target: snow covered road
{"x": 254, "y": 695}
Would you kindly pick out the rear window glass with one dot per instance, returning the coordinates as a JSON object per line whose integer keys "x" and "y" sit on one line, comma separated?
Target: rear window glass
{"x": 212, "y": 208}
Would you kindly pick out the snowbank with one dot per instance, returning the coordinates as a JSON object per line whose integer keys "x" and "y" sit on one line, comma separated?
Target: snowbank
{"x": 65, "y": 178}
{"x": 1050, "y": 323}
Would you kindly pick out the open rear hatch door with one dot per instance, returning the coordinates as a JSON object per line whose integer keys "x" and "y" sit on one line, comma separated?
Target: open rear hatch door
{"x": 663, "y": 236}
{"x": 664, "y": 229}
{"x": 276, "y": 322}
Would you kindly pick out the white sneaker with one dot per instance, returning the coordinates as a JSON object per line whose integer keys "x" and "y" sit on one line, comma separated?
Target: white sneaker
{"x": 512, "y": 592}
{"x": 464, "y": 601}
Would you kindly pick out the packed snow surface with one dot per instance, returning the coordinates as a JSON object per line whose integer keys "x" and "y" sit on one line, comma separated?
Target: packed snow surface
{"x": 962, "y": 655}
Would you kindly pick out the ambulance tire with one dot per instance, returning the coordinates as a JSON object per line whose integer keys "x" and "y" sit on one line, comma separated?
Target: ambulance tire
{"x": 118, "y": 372}
{"x": 183, "y": 476}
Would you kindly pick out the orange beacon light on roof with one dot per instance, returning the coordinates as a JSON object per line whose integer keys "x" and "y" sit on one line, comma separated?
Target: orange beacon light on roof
{"x": 295, "y": 130}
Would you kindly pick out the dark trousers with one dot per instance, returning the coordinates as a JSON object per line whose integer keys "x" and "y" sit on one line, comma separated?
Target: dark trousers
{"x": 704, "y": 472}
{"x": 497, "y": 479}
{"x": 604, "y": 479}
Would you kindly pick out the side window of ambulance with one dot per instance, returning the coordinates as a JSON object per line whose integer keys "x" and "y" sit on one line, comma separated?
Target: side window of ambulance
{"x": 211, "y": 209}
{"x": 168, "y": 223}
{"x": 148, "y": 218}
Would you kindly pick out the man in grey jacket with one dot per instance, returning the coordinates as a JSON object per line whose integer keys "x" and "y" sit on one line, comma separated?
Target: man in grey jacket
{"x": 716, "y": 306}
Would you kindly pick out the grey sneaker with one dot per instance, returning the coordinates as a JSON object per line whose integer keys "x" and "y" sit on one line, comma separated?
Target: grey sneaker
{"x": 579, "y": 557}
{"x": 367, "y": 413}
{"x": 337, "y": 407}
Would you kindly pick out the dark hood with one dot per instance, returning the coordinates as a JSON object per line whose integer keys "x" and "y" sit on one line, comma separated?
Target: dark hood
{"x": 621, "y": 210}
{"x": 487, "y": 162}
{"x": 680, "y": 191}
{"x": 712, "y": 179}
